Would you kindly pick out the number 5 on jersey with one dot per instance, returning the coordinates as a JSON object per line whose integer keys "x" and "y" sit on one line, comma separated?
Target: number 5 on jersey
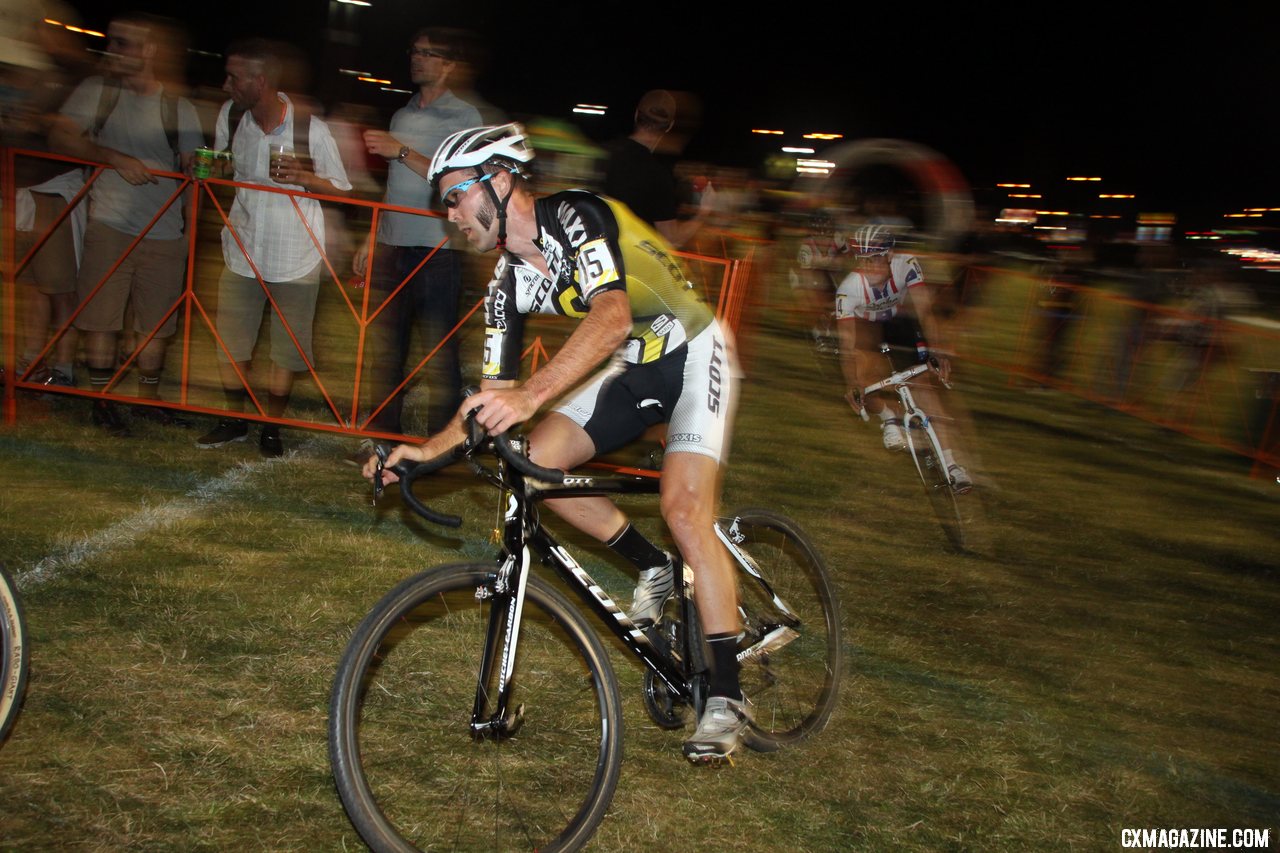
{"x": 596, "y": 267}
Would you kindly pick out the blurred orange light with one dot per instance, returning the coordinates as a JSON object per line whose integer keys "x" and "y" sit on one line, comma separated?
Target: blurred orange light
{"x": 771, "y": 132}
{"x": 1024, "y": 195}
{"x": 826, "y": 136}
{"x": 1115, "y": 195}
{"x": 1084, "y": 179}
{"x": 1015, "y": 186}
{"x": 374, "y": 80}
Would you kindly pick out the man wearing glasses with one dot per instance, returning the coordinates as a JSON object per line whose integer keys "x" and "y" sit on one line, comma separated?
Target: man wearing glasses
{"x": 404, "y": 239}
{"x": 589, "y": 257}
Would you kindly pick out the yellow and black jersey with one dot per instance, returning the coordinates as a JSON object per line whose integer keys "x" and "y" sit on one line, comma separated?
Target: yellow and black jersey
{"x": 592, "y": 244}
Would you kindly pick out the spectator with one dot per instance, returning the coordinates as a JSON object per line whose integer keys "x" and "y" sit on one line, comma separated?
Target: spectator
{"x": 276, "y": 142}
{"x": 404, "y": 239}
{"x": 131, "y": 119}
{"x": 637, "y": 178}
{"x": 32, "y": 86}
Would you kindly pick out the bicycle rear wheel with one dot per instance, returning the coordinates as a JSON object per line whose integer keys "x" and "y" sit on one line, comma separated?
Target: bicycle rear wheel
{"x": 942, "y": 498}
{"x": 13, "y": 653}
{"x": 408, "y": 771}
{"x": 792, "y": 660}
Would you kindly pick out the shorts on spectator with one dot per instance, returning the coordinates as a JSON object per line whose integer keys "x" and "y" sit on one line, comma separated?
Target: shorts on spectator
{"x": 151, "y": 277}
{"x": 53, "y": 269}
{"x": 240, "y": 304}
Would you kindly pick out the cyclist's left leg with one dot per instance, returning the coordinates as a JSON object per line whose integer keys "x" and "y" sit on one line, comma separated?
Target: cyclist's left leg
{"x": 558, "y": 442}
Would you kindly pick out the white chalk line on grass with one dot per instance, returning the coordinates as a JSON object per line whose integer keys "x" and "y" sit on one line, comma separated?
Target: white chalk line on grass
{"x": 146, "y": 520}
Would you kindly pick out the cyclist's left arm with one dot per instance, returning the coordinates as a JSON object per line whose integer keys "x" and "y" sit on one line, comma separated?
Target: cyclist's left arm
{"x": 922, "y": 306}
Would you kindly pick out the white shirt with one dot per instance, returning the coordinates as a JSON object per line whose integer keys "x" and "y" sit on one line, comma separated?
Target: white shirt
{"x": 856, "y": 297}
{"x": 268, "y": 225}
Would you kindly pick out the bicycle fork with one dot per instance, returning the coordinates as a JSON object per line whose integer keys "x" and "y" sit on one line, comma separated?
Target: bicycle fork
{"x": 502, "y": 636}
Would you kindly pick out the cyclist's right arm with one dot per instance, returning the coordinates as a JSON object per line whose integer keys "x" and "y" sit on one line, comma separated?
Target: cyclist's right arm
{"x": 847, "y": 326}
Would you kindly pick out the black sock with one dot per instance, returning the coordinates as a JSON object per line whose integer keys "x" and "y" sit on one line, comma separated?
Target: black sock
{"x": 148, "y": 384}
{"x": 724, "y": 666}
{"x": 235, "y": 398}
{"x": 99, "y": 377}
{"x": 276, "y": 404}
{"x": 642, "y": 553}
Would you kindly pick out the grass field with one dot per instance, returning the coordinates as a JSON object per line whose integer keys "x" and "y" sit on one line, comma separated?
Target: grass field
{"x": 1110, "y": 657}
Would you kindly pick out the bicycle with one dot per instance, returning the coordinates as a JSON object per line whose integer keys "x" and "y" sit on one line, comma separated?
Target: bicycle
{"x": 475, "y": 707}
{"x": 925, "y": 448}
{"x": 13, "y": 653}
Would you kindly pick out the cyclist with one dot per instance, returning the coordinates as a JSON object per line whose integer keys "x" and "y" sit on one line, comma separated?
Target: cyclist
{"x": 817, "y": 270}
{"x": 589, "y": 257}
{"x": 868, "y": 303}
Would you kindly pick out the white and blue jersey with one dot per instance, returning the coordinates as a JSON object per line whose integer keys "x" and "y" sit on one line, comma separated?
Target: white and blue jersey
{"x": 858, "y": 298}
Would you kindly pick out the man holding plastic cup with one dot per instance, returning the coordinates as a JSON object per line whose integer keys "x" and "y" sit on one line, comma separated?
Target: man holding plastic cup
{"x": 270, "y": 247}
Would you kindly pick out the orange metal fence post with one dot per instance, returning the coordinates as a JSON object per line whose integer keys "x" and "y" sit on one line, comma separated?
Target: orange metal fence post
{"x": 10, "y": 286}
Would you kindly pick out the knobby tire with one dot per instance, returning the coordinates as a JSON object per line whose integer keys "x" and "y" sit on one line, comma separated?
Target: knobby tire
{"x": 409, "y": 774}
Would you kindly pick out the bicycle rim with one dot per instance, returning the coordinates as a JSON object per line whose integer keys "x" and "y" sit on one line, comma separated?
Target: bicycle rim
{"x": 942, "y": 498}
{"x": 794, "y": 685}
{"x": 409, "y": 773}
{"x": 13, "y": 653}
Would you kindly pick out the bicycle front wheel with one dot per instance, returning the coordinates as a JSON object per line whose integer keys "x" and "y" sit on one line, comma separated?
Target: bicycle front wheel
{"x": 13, "y": 653}
{"x": 792, "y": 652}
{"x": 927, "y": 454}
{"x": 406, "y": 766}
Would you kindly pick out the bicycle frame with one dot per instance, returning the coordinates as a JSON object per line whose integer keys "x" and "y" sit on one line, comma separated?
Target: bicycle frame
{"x": 523, "y": 537}
{"x": 899, "y": 383}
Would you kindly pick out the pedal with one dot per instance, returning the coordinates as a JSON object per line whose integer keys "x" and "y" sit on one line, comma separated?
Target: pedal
{"x": 775, "y": 639}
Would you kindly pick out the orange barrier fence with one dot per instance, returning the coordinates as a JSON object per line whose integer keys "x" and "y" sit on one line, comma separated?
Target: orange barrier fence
{"x": 343, "y": 321}
{"x": 1215, "y": 379}
{"x": 1212, "y": 378}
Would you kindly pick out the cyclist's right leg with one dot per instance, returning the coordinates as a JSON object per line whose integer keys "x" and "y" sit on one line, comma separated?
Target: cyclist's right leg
{"x": 863, "y": 364}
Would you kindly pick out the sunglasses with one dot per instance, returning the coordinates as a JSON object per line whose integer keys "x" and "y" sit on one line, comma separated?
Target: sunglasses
{"x": 454, "y": 196}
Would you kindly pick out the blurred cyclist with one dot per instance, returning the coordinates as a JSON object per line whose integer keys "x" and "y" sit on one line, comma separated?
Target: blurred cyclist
{"x": 868, "y": 303}
{"x": 819, "y": 262}
{"x": 584, "y": 256}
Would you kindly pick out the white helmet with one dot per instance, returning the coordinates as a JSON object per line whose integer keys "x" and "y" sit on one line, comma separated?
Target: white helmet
{"x": 504, "y": 144}
{"x": 871, "y": 240}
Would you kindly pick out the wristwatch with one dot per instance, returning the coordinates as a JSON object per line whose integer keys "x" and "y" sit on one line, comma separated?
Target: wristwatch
{"x": 404, "y": 152}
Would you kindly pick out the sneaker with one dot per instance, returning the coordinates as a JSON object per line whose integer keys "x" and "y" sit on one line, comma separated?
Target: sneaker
{"x": 652, "y": 592}
{"x": 106, "y": 415}
{"x": 891, "y": 431}
{"x": 52, "y": 376}
{"x": 269, "y": 442}
{"x": 719, "y": 730}
{"x": 961, "y": 483}
{"x": 227, "y": 431}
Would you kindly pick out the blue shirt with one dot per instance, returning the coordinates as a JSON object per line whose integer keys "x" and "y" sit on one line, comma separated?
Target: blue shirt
{"x": 422, "y": 129}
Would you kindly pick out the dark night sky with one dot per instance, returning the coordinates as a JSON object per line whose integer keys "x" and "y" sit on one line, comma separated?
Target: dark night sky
{"x": 1179, "y": 109}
